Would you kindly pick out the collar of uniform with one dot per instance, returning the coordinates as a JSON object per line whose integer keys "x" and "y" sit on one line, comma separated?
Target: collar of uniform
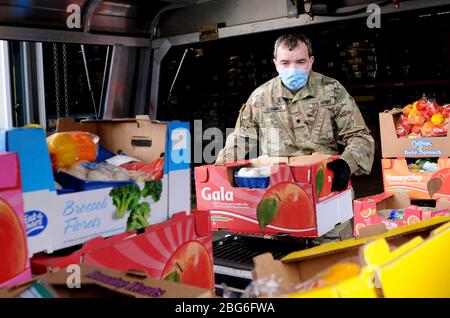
{"x": 310, "y": 89}
{"x": 280, "y": 90}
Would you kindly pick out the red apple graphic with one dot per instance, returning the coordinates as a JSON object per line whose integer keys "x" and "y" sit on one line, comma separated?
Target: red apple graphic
{"x": 439, "y": 182}
{"x": 286, "y": 205}
{"x": 190, "y": 265}
{"x": 13, "y": 252}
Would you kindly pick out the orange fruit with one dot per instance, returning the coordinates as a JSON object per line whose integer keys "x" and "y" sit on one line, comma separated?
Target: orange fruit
{"x": 340, "y": 272}
{"x": 437, "y": 119}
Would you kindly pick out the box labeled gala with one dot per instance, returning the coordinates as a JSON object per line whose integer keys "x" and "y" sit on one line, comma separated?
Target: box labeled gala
{"x": 293, "y": 196}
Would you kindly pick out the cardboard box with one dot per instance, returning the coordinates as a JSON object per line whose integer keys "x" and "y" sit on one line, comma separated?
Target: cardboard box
{"x": 31, "y": 146}
{"x": 15, "y": 265}
{"x": 298, "y": 200}
{"x": 411, "y": 261}
{"x": 393, "y": 210}
{"x": 393, "y": 146}
{"x": 97, "y": 282}
{"x": 419, "y": 185}
{"x": 56, "y": 221}
{"x": 179, "y": 250}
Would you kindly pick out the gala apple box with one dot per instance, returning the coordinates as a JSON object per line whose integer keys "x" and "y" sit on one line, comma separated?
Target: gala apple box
{"x": 297, "y": 199}
{"x": 178, "y": 250}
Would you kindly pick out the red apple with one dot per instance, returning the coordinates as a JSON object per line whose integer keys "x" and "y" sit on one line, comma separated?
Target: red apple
{"x": 286, "y": 205}
{"x": 190, "y": 265}
{"x": 13, "y": 252}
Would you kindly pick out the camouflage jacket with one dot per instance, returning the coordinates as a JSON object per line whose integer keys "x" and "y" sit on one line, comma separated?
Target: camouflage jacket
{"x": 320, "y": 114}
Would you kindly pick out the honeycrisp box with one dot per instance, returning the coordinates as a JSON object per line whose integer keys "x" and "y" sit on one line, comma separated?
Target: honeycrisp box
{"x": 297, "y": 200}
{"x": 419, "y": 185}
{"x": 55, "y": 221}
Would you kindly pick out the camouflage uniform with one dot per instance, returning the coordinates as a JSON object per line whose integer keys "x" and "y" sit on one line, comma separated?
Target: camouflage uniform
{"x": 311, "y": 121}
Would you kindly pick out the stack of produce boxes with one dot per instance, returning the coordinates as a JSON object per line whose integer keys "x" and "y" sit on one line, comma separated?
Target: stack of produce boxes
{"x": 415, "y": 148}
{"x": 147, "y": 164}
{"x": 415, "y": 165}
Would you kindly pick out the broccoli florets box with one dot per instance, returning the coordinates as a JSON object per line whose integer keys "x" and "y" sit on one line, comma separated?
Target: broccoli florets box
{"x": 59, "y": 220}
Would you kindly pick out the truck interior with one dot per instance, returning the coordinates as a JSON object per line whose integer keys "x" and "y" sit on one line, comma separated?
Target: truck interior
{"x": 193, "y": 60}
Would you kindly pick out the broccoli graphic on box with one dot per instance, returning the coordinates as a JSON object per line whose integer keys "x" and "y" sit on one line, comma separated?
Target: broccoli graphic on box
{"x": 126, "y": 199}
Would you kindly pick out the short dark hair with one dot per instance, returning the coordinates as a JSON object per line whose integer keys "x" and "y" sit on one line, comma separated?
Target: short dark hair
{"x": 291, "y": 42}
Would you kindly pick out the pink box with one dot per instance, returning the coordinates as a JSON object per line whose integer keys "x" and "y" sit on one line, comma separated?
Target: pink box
{"x": 14, "y": 261}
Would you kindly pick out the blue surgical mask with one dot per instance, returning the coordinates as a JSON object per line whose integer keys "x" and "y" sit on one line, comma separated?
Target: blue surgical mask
{"x": 293, "y": 78}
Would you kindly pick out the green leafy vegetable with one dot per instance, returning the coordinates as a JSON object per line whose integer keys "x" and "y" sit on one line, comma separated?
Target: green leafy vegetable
{"x": 153, "y": 188}
{"x": 138, "y": 217}
{"x": 125, "y": 198}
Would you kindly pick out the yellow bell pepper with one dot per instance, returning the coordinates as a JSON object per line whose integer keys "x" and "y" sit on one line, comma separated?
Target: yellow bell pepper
{"x": 63, "y": 147}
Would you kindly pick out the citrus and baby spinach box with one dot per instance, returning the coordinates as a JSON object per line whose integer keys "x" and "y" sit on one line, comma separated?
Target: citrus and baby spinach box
{"x": 55, "y": 221}
{"x": 393, "y": 146}
{"x": 297, "y": 200}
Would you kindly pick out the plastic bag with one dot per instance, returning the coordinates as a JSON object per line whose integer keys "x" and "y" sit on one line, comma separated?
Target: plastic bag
{"x": 66, "y": 148}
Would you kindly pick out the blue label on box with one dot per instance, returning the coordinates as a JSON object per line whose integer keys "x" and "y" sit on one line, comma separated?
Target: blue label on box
{"x": 418, "y": 148}
{"x": 31, "y": 147}
{"x": 35, "y": 222}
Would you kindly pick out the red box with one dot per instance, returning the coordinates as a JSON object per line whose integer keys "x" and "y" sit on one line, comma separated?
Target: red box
{"x": 178, "y": 250}
{"x": 298, "y": 200}
{"x": 367, "y": 210}
{"x": 14, "y": 261}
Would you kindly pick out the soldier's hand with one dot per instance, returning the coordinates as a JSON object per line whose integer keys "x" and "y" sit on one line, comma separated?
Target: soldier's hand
{"x": 342, "y": 174}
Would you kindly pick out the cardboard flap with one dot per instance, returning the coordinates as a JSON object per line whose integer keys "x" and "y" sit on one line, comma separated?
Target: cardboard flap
{"x": 142, "y": 139}
{"x": 265, "y": 161}
{"x": 128, "y": 283}
{"x": 308, "y": 160}
{"x": 101, "y": 242}
{"x": 9, "y": 171}
{"x": 372, "y": 230}
{"x": 377, "y": 231}
{"x": 301, "y": 174}
{"x": 142, "y": 117}
{"x": 393, "y": 111}
{"x": 179, "y": 215}
{"x": 399, "y": 200}
{"x": 201, "y": 174}
{"x": 69, "y": 124}
{"x": 265, "y": 266}
{"x": 202, "y": 222}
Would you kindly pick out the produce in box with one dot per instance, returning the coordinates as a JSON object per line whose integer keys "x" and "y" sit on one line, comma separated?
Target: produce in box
{"x": 423, "y": 118}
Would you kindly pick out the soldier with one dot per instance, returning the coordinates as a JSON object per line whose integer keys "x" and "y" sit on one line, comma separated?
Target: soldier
{"x": 301, "y": 112}
{"x": 308, "y": 111}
